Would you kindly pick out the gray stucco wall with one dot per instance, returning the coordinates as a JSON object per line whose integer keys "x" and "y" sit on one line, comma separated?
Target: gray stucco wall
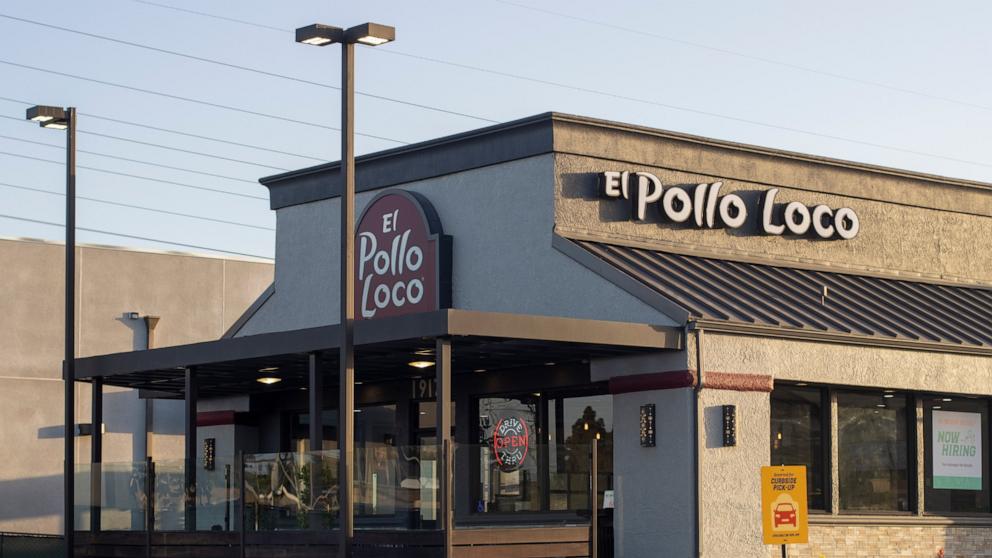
{"x": 501, "y": 218}
{"x": 655, "y": 511}
{"x": 197, "y": 297}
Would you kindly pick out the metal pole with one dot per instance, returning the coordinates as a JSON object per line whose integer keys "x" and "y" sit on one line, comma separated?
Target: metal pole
{"x": 96, "y": 455}
{"x": 69, "y": 366}
{"x": 241, "y": 504}
{"x": 346, "y": 377}
{"x": 784, "y": 555}
{"x": 594, "y": 505}
{"x": 149, "y": 505}
{"x": 442, "y": 370}
{"x": 190, "y": 448}
{"x": 316, "y": 406}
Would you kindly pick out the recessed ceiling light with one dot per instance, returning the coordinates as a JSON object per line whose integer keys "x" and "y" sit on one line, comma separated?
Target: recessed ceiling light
{"x": 359, "y": 382}
{"x": 946, "y": 399}
{"x": 424, "y": 352}
{"x": 549, "y": 364}
{"x": 936, "y": 407}
{"x": 881, "y": 405}
{"x": 479, "y": 370}
{"x": 268, "y": 380}
{"x": 269, "y": 369}
{"x": 801, "y": 384}
{"x": 890, "y": 391}
{"x": 888, "y": 396}
{"x": 421, "y": 363}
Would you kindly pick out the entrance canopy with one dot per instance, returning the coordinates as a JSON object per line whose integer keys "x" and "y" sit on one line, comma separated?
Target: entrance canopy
{"x": 384, "y": 348}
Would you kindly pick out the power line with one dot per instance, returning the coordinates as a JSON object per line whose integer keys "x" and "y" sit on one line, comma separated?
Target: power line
{"x": 129, "y": 160}
{"x": 141, "y": 207}
{"x": 244, "y": 68}
{"x": 135, "y": 237}
{"x": 177, "y": 132}
{"x": 192, "y": 100}
{"x": 214, "y": 16}
{"x": 158, "y": 145}
{"x": 139, "y": 177}
{"x": 747, "y": 56}
{"x": 394, "y": 52}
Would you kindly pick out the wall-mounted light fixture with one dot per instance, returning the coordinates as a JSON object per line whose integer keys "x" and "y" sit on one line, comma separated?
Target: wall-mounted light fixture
{"x": 209, "y": 454}
{"x": 647, "y": 426}
{"x": 729, "y": 425}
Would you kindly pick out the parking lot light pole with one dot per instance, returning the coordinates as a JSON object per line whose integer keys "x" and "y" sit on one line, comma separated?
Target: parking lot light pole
{"x": 371, "y": 34}
{"x": 65, "y": 119}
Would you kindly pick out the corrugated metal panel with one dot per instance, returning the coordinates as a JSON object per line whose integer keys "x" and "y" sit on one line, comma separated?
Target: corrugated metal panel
{"x": 794, "y": 298}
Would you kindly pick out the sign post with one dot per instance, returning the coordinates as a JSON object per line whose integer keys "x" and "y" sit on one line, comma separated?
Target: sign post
{"x": 784, "y": 517}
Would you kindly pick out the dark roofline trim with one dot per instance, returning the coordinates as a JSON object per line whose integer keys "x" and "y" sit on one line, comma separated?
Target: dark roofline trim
{"x": 441, "y": 323}
{"x": 528, "y": 137}
{"x": 519, "y": 139}
{"x": 250, "y": 312}
{"x": 777, "y": 261}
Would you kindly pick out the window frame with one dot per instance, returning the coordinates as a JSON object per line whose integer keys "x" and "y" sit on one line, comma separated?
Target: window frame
{"x": 826, "y": 425}
{"x": 927, "y": 446}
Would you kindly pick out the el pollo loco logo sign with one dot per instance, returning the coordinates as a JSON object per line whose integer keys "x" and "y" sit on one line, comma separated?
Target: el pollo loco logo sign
{"x": 403, "y": 258}
{"x": 702, "y": 206}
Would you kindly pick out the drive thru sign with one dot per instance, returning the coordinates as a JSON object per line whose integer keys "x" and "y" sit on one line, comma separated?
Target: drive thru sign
{"x": 783, "y": 504}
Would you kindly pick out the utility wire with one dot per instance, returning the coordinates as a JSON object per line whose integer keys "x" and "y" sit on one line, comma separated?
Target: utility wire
{"x": 158, "y": 145}
{"x": 177, "y": 132}
{"x": 192, "y": 100}
{"x": 244, "y": 68}
{"x": 135, "y": 237}
{"x": 139, "y": 161}
{"x": 141, "y": 207}
{"x": 747, "y": 56}
{"x": 139, "y": 177}
{"x": 394, "y": 52}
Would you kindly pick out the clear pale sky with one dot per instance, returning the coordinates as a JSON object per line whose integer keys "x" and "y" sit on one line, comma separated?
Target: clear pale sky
{"x": 911, "y": 76}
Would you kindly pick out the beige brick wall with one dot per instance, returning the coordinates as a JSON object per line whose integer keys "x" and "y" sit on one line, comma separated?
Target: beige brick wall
{"x": 851, "y": 541}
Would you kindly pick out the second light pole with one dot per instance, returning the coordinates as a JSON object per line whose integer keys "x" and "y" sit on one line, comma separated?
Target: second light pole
{"x": 372, "y": 34}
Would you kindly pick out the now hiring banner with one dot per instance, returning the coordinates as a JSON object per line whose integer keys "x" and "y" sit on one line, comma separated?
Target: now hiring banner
{"x": 957, "y": 450}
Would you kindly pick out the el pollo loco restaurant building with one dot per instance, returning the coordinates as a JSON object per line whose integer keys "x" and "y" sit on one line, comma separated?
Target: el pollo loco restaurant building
{"x": 692, "y": 309}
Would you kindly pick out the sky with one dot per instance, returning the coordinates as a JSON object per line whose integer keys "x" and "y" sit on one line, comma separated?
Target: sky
{"x": 225, "y": 96}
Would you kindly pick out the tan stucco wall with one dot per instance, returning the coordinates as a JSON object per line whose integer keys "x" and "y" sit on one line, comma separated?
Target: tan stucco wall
{"x": 896, "y": 238}
{"x": 197, "y": 297}
{"x": 847, "y": 364}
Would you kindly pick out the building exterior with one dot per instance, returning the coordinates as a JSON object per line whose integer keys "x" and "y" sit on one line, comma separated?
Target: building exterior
{"x": 692, "y": 309}
{"x": 195, "y": 298}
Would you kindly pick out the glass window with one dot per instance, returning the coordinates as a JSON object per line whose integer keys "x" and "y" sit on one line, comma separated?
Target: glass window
{"x": 508, "y": 463}
{"x": 797, "y": 432}
{"x": 873, "y": 451}
{"x": 956, "y": 445}
{"x": 582, "y": 420}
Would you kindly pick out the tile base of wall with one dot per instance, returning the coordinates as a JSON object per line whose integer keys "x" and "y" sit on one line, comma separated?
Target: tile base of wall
{"x": 843, "y": 541}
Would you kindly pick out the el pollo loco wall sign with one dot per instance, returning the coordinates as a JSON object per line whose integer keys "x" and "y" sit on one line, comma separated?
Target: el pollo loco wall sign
{"x": 403, "y": 257}
{"x": 703, "y": 206}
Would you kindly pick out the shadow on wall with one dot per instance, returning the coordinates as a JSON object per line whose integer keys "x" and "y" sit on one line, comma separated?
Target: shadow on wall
{"x": 713, "y": 426}
{"x": 30, "y": 498}
{"x": 139, "y": 333}
{"x": 118, "y": 421}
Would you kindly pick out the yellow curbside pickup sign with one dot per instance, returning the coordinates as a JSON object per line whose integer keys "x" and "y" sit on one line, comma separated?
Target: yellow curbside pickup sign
{"x": 783, "y": 505}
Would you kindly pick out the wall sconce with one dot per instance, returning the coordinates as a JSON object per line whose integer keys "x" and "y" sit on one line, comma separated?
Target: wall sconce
{"x": 729, "y": 425}
{"x": 209, "y": 453}
{"x": 647, "y": 426}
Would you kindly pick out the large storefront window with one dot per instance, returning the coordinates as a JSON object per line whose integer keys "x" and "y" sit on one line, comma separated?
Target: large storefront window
{"x": 797, "y": 436}
{"x": 550, "y": 471}
{"x": 509, "y": 471}
{"x": 956, "y": 446}
{"x": 873, "y": 452}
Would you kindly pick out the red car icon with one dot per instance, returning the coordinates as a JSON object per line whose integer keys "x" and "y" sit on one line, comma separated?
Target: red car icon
{"x": 785, "y": 514}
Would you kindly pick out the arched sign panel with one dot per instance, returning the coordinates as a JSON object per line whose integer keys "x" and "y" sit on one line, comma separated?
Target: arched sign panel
{"x": 402, "y": 257}
{"x": 511, "y": 439}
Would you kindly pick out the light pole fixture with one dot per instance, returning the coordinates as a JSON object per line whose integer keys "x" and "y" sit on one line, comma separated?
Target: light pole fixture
{"x": 65, "y": 119}
{"x": 372, "y": 34}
